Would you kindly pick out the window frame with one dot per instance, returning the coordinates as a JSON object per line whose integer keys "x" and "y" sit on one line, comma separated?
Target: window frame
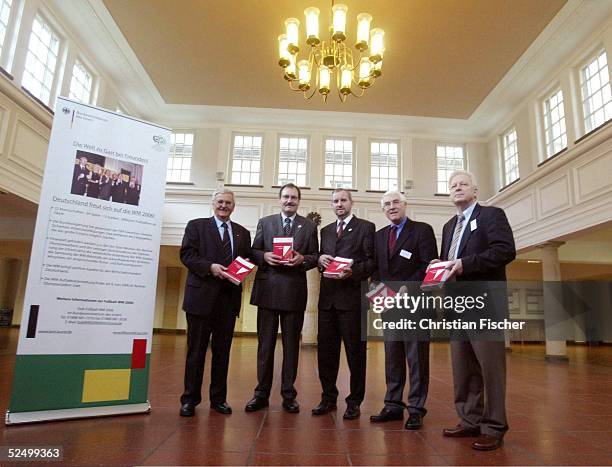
{"x": 551, "y": 91}
{"x": 60, "y": 62}
{"x": 395, "y": 141}
{"x": 183, "y": 131}
{"x": 353, "y": 141}
{"x": 94, "y": 78}
{"x": 436, "y": 166}
{"x": 231, "y": 158}
{"x": 502, "y": 144}
{"x": 308, "y": 157}
{"x": 580, "y": 97}
{"x": 7, "y": 55}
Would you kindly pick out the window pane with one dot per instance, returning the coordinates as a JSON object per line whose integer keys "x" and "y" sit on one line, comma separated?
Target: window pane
{"x": 247, "y": 149}
{"x": 180, "y": 157}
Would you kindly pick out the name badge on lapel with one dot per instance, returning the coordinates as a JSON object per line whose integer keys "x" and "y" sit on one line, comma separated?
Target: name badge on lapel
{"x": 473, "y": 225}
{"x": 406, "y": 254}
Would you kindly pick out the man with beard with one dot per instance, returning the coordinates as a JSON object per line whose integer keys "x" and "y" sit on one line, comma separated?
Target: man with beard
{"x": 280, "y": 293}
{"x": 211, "y": 301}
{"x": 340, "y": 304}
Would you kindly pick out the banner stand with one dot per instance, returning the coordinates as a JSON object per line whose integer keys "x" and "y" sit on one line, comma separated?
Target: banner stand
{"x": 71, "y": 414}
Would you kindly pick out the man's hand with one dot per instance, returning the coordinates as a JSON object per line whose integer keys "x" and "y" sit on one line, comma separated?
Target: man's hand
{"x": 296, "y": 260}
{"x": 434, "y": 261}
{"x": 324, "y": 260}
{"x": 216, "y": 269}
{"x": 271, "y": 258}
{"x": 346, "y": 273}
{"x": 456, "y": 268}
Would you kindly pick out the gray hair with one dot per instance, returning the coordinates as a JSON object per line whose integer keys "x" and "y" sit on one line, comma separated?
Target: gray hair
{"x": 346, "y": 190}
{"x": 223, "y": 191}
{"x": 392, "y": 192}
{"x": 470, "y": 175}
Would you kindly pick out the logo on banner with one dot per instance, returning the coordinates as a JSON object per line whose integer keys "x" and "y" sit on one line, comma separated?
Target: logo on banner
{"x": 160, "y": 143}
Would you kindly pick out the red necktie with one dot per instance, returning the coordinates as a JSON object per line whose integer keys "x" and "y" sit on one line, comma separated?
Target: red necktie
{"x": 340, "y": 229}
{"x": 392, "y": 238}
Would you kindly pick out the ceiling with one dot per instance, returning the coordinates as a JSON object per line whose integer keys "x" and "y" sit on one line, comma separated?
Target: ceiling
{"x": 443, "y": 57}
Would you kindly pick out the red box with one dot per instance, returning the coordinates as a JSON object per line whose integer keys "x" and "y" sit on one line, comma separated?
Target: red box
{"x": 238, "y": 270}
{"x": 436, "y": 275}
{"x": 283, "y": 247}
{"x": 337, "y": 266}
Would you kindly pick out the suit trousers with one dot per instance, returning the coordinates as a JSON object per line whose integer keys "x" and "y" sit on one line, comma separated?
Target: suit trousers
{"x": 267, "y": 330}
{"x": 479, "y": 376}
{"x": 217, "y": 327}
{"x": 336, "y": 326}
{"x": 416, "y": 353}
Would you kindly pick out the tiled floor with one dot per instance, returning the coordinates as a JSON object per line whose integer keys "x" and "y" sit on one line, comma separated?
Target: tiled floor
{"x": 558, "y": 415}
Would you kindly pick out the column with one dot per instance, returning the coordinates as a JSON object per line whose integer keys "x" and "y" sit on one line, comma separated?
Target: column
{"x": 309, "y": 331}
{"x": 556, "y": 349}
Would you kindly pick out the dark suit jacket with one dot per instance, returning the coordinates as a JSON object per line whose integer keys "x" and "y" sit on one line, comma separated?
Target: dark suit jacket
{"x": 79, "y": 184}
{"x": 200, "y": 249}
{"x": 486, "y": 250}
{"x": 118, "y": 192}
{"x": 283, "y": 287}
{"x": 357, "y": 243}
{"x": 416, "y": 238}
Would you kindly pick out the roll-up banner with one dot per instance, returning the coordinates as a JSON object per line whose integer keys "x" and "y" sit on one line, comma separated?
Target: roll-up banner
{"x": 87, "y": 323}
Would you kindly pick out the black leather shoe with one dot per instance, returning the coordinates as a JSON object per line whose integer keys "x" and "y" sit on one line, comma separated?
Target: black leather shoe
{"x": 414, "y": 422}
{"x": 221, "y": 408}
{"x": 323, "y": 408}
{"x": 487, "y": 443}
{"x": 386, "y": 415}
{"x": 187, "y": 410}
{"x": 291, "y": 406}
{"x": 461, "y": 432}
{"x": 352, "y": 412}
{"x": 257, "y": 403}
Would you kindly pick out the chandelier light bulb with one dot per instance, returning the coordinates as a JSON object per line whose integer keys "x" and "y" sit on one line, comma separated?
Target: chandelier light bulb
{"x": 324, "y": 80}
{"x": 283, "y": 53}
{"x": 304, "y": 75}
{"x": 312, "y": 26}
{"x": 363, "y": 31}
{"x": 377, "y": 69}
{"x": 377, "y": 46}
{"x": 346, "y": 76}
{"x": 290, "y": 72}
{"x": 292, "y": 28}
{"x": 365, "y": 67}
{"x": 339, "y": 22}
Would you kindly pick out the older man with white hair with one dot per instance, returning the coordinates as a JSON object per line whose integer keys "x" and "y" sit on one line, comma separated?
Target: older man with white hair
{"x": 479, "y": 243}
{"x": 211, "y": 302}
{"x": 404, "y": 249}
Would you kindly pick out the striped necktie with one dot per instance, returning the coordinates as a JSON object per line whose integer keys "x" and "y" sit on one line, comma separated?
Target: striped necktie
{"x": 287, "y": 226}
{"x": 452, "y": 251}
{"x": 340, "y": 229}
{"x": 226, "y": 245}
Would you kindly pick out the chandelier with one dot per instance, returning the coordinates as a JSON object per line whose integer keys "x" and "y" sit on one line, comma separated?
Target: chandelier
{"x": 355, "y": 71}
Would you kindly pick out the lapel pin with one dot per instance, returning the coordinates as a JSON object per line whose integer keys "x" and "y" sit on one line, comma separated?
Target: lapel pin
{"x": 299, "y": 226}
{"x": 350, "y": 230}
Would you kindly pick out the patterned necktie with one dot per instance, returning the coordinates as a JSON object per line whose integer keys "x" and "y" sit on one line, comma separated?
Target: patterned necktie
{"x": 392, "y": 238}
{"x": 287, "y": 226}
{"x": 452, "y": 251}
{"x": 340, "y": 229}
{"x": 226, "y": 245}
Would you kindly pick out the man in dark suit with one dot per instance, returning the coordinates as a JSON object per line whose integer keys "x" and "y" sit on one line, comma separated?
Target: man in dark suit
{"x": 340, "y": 304}
{"x": 211, "y": 301}
{"x": 132, "y": 194}
{"x": 280, "y": 293}
{"x": 479, "y": 242}
{"x": 403, "y": 251}
{"x": 119, "y": 190}
{"x": 79, "y": 177}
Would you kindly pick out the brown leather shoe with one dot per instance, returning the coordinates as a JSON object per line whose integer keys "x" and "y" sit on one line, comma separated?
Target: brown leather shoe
{"x": 487, "y": 443}
{"x": 461, "y": 432}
